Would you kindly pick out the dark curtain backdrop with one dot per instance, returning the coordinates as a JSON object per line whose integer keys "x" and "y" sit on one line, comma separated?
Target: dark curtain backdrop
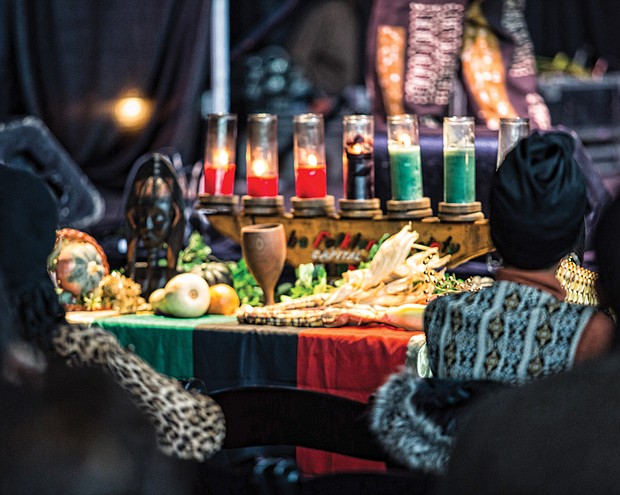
{"x": 68, "y": 61}
{"x": 569, "y": 25}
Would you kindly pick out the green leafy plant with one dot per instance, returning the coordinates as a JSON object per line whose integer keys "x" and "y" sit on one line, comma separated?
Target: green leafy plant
{"x": 245, "y": 284}
{"x": 310, "y": 279}
{"x": 195, "y": 253}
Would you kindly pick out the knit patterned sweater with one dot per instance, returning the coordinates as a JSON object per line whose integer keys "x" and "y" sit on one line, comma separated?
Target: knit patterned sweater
{"x": 508, "y": 332}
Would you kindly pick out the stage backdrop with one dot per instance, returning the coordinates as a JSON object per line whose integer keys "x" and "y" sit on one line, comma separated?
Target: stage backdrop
{"x": 71, "y": 62}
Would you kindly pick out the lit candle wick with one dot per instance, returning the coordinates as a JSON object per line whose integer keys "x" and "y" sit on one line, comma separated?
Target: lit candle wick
{"x": 356, "y": 149}
{"x": 259, "y": 167}
{"x": 405, "y": 140}
{"x": 222, "y": 157}
{"x": 312, "y": 160}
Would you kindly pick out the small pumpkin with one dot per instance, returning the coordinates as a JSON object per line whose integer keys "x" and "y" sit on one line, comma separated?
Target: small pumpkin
{"x": 214, "y": 272}
{"x": 79, "y": 268}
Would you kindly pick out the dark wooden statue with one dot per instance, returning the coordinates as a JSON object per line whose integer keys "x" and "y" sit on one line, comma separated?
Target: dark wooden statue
{"x": 155, "y": 218}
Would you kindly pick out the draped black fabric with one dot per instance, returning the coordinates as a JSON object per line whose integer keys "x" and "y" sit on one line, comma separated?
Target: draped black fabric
{"x": 69, "y": 62}
{"x": 29, "y": 216}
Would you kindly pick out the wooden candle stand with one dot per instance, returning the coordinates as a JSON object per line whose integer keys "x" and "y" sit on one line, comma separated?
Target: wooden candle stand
{"x": 262, "y": 206}
{"x": 337, "y": 239}
{"x": 360, "y": 208}
{"x": 412, "y": 210}
{"x": 460, "y": 212}
{"x": 219, "y": 204}
{"x": 313, "y": 207}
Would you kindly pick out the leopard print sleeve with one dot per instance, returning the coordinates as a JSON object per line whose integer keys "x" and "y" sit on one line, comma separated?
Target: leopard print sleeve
{"x": 189, "y": 425}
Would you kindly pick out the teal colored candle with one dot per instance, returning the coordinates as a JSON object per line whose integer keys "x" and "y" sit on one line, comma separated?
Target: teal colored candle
{"x": 459, "y": 175}
{"x": 406, "y": 172}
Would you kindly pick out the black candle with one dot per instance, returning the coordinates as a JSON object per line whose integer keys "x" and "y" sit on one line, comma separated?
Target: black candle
{"x": 359, "y": 174}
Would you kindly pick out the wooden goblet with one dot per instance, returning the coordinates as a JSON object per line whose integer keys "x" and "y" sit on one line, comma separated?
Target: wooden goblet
{"x": 264, "y": 250}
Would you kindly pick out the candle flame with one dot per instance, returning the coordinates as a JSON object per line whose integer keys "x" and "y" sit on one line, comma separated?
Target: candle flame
{"x": 405, "y": 140}
{"x": 312, "y": 160}
{"x": 356, "y": 148}
{"x": 259, "y": 167}
{"x": 222, "y": 157}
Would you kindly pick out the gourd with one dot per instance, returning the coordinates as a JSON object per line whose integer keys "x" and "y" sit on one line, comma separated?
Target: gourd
{"x": 79, "y": 268}
{"x": 214, "y": 272}
{"x": 184, "y": 296}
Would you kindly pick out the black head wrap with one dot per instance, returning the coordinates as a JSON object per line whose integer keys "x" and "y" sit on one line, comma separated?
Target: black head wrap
{"x": 28, "y": 222}
{"x": 538, "y": 202}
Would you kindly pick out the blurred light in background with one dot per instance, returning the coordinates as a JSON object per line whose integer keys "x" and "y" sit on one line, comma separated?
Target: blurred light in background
{"x": 132, "y": 113}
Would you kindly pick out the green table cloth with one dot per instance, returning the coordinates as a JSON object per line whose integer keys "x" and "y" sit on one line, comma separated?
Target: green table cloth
{"x": 169, "y": 352}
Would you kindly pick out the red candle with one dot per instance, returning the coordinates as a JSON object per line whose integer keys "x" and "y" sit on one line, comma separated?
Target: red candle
{"x": 262, "y": 156}
{"x": 264, "y": 186}
{"x": 260, "y": 182}
{"x": 220, "y": 156}
{"x": 219, "y": 178}
{"x": 311, "y": 179}
{"x": 309, "y": 151}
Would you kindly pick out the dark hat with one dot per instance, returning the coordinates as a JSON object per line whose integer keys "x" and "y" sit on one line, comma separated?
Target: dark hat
{"x": 28, "y": 222}
{"x": 538, "y": 201}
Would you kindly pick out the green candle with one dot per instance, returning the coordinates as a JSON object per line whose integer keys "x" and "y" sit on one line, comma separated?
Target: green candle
{"x": 406, "y": 172}
{"x": 459, "y": 175}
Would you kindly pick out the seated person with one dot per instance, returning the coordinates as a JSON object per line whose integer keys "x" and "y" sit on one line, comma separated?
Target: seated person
{"x": 76, "y": 432}
{"x": 557, "y": 435}
{"x": 189, "y": 425}
{"x": 520, "y": 328}
{"x": 516, "y": 330}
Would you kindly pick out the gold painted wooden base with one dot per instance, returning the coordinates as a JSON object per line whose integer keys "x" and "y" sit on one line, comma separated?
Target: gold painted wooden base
{"x": 468, "y": 239}
{"x": 460, "y": 212}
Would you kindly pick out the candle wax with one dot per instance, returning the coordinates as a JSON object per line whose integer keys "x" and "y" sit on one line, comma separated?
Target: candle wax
{"x": 219, "y": 179}
{"x": 459, "y": 180}
{"x": 406, "y": 172}
{"x": 311, "y": 182}
{"x": 262, "y": 186}
{"x": 359, "y": 176}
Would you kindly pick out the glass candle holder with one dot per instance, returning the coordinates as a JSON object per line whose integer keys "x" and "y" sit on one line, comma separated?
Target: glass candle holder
{"x": 309, "y": 151}
{"x": 511, "y": 131}
{"x": 459, "y": 160}
{"x": 220, "y": 154}
{"x": 262, "y": 155}
{"x": 404, "y": 151}
{"x": 358, "y": 157}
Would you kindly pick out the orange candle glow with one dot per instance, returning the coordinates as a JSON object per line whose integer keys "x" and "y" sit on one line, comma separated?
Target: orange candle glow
{"x": 220, "y": 159}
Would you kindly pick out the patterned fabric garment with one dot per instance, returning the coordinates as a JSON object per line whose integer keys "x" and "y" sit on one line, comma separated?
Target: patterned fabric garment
{"x": 508, "y": 332}
{"x": 189, "y": 425}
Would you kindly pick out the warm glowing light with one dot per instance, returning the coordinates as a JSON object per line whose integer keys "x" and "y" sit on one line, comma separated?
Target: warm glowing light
{"x": 312, "y": 160}
{"x": 222, "y": 157}
{"x": 356, "y": 148}
{"x": 132, "y": 112}
{"x": 259, "y": 167}
{"x": 405, "y": 140}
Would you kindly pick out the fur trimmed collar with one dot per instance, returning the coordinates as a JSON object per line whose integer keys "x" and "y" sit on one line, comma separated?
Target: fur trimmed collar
{"x": 415, "y": 419}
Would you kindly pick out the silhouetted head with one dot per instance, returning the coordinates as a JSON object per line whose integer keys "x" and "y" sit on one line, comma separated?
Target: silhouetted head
{"x": 28, "y": 220}
{"x": 538, "y": 202}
